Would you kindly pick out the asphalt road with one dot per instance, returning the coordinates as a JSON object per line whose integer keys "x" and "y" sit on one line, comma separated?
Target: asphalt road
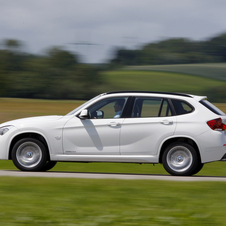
{"x": 52, "y": 174}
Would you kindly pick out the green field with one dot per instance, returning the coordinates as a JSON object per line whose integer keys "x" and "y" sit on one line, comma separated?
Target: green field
{"x": 89, "y": 202}
{"x": 161, "y": 81}
{"x": 207, "y": 70}
{"x": 21, "y": 108}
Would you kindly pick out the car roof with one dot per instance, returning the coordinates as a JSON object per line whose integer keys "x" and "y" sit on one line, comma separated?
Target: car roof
{"x": 198, "y": 98}
{"x": 149, "y": 92}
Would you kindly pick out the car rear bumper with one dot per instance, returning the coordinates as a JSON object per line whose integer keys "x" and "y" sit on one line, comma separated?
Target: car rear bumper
{"x": 213, "y": 146}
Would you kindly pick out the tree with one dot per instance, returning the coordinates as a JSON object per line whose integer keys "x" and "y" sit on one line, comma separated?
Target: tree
{"x": 12, "y": 45}
{"x": 174, "y": 51}
{"x": 59, "y": 58}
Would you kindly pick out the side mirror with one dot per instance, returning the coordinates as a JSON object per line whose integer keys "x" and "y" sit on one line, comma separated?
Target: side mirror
{"x": 84, "y": 114}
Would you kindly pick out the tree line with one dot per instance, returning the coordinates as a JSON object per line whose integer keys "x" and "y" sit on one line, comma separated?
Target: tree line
{"x": 174, "y": 51}
{"x": 59, "y": 74}
{"x": 56, "y": 75}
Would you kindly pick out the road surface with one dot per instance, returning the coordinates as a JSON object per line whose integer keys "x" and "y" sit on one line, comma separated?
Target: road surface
{"x": 52, "y": 174}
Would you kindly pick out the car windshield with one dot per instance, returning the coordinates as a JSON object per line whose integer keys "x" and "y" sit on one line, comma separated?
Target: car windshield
{"x": 212, "y": 107}
{"x": 83, "y": 105}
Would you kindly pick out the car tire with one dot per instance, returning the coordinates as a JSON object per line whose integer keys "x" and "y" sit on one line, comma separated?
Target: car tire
{"x": 49, "y": 165}
{"x": 198, "y": 168}
{"x": 29, "y": 154}
{"x": 180, "y": 159}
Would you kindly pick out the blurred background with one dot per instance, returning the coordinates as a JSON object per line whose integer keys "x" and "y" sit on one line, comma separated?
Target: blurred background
{"x": 72, "y": 50}
{"x": 77, "y": 49}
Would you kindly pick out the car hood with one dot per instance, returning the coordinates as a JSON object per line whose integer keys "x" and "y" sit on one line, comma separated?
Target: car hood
{"x": 32, "y": 120}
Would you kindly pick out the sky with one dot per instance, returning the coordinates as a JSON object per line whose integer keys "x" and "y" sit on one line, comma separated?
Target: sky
{"x": 94, "y": 29}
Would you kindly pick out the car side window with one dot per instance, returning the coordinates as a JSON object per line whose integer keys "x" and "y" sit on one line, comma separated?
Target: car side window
{"x": 146, "y": 107}
{"x": 181, "y": 107}
{"x": 166, "y": 110}
{"x": 151, "y": 107}
{"x": 107, "y": 108}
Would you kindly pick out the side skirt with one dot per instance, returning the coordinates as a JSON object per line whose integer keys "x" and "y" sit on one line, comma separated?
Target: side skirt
{"x": 104, "y": 158}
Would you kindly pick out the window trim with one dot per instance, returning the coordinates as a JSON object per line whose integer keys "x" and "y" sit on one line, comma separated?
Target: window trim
{"x": 128, "y": 108}
{"x": 169, "y": 105}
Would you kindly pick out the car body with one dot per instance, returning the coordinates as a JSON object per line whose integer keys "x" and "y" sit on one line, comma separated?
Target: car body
{"x": 181, "y": 131}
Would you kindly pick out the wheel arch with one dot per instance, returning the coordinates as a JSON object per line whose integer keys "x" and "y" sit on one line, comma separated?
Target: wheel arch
{"x": 28, "y": 135}
{"x": 179, "y": 139}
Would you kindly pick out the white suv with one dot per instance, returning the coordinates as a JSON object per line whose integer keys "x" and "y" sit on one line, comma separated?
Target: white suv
{"x": 180, "y": 131}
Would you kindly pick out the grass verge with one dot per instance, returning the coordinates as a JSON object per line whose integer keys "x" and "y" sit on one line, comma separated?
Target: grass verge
{"x": 46, "y": 201}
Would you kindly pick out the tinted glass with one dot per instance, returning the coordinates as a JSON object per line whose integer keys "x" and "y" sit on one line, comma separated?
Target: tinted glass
{"x": 146, "y": 107}
{"x": 212, "y": 107}
{"x": 182, "y": 107}
{"x": 107, "y": 108}
{"x": 165, "y": 111}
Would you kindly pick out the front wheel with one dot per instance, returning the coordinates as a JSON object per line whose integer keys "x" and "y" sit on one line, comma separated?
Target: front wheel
{"x": 29, "y": 154}
{"x": 180, "y": 159}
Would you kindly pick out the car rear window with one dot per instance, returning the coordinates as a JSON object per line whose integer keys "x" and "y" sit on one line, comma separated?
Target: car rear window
{"x": 181, "y": 107}
{"x": 212, "y": 107}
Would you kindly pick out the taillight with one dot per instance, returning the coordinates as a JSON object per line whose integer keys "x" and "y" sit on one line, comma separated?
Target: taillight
{"x": 216, "y": 124}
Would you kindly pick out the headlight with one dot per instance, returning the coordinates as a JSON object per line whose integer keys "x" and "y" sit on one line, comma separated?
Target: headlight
{"x": 4, "y": 130}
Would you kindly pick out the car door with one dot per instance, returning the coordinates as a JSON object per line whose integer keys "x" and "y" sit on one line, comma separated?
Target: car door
{"x": 150, "y": 123}
{"x": 97, "y": 135}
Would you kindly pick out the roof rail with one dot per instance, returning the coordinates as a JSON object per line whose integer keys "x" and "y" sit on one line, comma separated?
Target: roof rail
{"x": 154, "y": 92}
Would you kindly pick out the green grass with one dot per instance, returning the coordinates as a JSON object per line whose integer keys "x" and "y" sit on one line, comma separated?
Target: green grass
{"x": 46, "y": 201}
{"x": 208, "y": 70}
{"x": 161, "y": 81}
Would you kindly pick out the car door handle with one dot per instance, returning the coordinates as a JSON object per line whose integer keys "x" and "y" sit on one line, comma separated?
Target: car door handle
{"x": 114, "y": 124}
{"x": 166, "y": 122}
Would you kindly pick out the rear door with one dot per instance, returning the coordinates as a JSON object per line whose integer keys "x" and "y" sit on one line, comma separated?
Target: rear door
{"x": 150, "y": 123}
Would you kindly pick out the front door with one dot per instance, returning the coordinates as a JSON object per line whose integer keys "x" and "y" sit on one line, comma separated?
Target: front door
{"x": 98, "y": 135}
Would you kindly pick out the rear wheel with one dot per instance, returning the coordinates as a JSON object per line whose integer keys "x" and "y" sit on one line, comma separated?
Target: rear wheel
{"x": 181, "y": 159}
{"x": 198, "y": 168}
{"x": 29, "y": 154}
